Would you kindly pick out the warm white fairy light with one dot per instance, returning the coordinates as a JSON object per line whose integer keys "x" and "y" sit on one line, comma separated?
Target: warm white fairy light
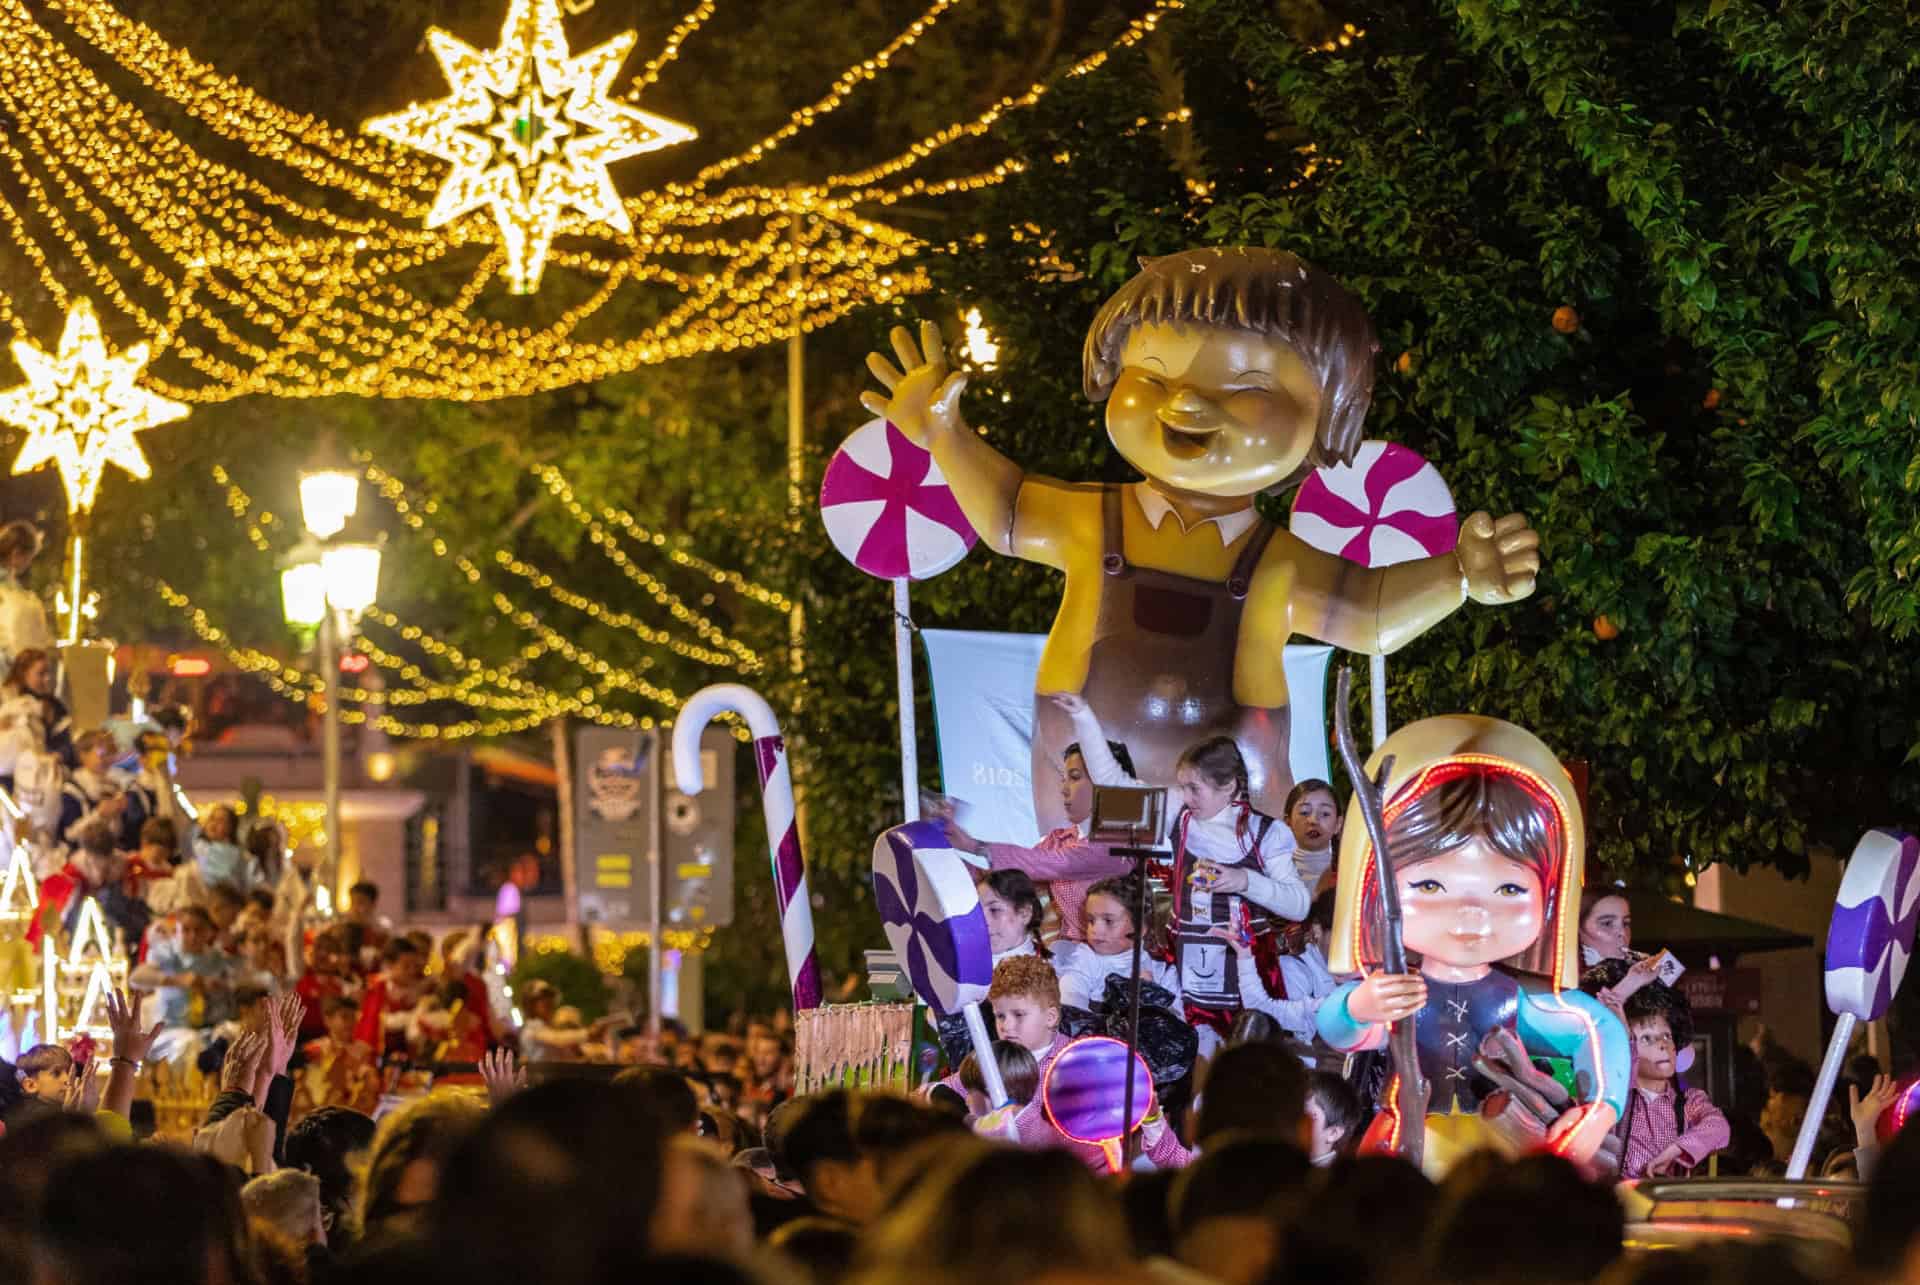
{"x": 308, "y": 272}
{"x": 981, "y": 349}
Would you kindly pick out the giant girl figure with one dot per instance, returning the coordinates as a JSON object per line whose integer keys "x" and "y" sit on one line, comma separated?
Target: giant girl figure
{"x": 1485, "y": 840}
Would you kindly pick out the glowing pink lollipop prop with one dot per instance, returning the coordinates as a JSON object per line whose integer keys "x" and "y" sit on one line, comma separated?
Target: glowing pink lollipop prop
{"x": 1086, "y": 1095}
{"x": 776, "y": 804}
{"x": 1389, "y": 505}
{"x": 1869, "y": 941}
{"x": 889, "y": 512}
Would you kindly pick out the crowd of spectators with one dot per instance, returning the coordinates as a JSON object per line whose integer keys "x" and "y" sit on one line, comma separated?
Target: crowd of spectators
{"x": 589, "y": 1177}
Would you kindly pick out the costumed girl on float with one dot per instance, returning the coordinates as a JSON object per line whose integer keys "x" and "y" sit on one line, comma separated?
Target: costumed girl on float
{"x": 1065, "y": 859}
{"x": 1233, "y": 879}
{"x": 1486, "y": 845}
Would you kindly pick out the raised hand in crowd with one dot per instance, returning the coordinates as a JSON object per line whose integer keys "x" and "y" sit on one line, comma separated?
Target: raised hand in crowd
{"x": 501, "y": 1075}
{"x": 283, "y": 1030}
{"x": 130, "y": 1048}
{"x": 242, "y": 1062}
{"x": 80, "y": 1094}
{"x": 282, "y": 1037}
{"x": 1866, "y": 1110}
{"x": 130, "y": 1043}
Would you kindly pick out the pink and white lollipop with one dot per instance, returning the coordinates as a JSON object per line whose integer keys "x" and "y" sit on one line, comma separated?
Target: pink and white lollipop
{"x": 1389, "y": 505}
{"x": 888, "y": 508}
{"x": 890, "y": 512}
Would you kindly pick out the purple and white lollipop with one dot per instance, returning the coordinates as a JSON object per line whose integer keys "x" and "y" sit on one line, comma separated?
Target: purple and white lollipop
{"x": 931, "y": 914}
{"x": 1870, "y": 939}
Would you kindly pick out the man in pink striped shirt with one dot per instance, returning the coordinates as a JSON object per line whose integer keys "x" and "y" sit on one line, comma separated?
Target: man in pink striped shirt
{"x": 1668, "y": 1130}
{"x": 1064, "y": 859}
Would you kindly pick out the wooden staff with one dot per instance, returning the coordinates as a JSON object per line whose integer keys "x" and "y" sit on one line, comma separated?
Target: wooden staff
{"x": 1410, "y": 1087}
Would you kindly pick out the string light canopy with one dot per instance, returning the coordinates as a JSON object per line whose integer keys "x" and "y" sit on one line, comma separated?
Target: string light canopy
{"x": 81, "y": 406}
{"x": 529, "y": 132}
{"x": 310, "y": 269}
{"x": 483, "y": 687}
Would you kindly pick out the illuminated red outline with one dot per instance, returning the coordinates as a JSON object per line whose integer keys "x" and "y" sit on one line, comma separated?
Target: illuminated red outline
{"x": 1450, "y": 769}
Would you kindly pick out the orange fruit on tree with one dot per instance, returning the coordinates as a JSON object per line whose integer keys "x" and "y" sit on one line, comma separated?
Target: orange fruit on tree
{"x": 1604, "y": 629}
{"x": 1565, "y": 319}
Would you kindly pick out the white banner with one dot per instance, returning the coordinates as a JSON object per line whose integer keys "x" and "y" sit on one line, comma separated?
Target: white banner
{"x": 983, "y": 707}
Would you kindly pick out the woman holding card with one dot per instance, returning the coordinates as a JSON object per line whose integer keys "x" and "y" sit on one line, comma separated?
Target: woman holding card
{"x": 1606, "y": 933}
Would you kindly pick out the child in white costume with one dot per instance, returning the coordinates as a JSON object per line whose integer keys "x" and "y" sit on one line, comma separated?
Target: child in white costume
{"x": 1233, "y": 874}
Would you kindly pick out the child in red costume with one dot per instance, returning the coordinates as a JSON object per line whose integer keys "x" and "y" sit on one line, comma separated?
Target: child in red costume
{"x": 391, "y": 997}
{"x": 339, "y": 1070}
{"x": 470, "y": 1029}
{"x": 329, "y": 976}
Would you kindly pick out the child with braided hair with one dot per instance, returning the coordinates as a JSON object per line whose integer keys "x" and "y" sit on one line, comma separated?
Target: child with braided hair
{"x": 1013, "y": 911}
{"x": 1233, "y": 877}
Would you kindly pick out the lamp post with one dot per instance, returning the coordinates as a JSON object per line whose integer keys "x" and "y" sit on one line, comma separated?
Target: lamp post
{"x": 328, "y": 582}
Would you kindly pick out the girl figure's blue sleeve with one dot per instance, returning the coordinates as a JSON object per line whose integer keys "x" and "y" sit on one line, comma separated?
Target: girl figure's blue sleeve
{"x": 1339, "y": 1028}
{"x": 1573, "y": 1024}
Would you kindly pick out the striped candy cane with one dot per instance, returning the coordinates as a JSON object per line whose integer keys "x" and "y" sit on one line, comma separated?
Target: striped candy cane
{"x": 776, "y": 803}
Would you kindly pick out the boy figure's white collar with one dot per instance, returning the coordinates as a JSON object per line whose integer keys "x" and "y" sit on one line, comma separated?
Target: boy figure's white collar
{"x": 1228, "y": 526}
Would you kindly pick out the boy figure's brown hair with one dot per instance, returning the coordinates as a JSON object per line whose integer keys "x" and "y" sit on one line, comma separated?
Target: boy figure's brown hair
{"x": 1268, "y": 292}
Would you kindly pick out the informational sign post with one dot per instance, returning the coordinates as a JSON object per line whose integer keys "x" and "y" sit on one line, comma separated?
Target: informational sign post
{"x": 616, "y": 802}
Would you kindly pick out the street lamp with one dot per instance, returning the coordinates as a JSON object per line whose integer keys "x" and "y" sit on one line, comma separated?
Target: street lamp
{"x": 328, "y": 497}
{"x": 303, "y": 594}
{"x": 328, "y": 583}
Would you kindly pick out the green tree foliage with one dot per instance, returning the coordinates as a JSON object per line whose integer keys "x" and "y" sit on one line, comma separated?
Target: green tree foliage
{"x": 573, "y": 975}
{"x": 1469, "y": 170}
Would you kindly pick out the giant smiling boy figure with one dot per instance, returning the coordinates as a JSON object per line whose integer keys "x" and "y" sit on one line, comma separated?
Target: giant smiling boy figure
{"x": 1226, "y": 372}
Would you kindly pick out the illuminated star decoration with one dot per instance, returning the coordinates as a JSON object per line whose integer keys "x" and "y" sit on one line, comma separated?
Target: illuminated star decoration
{"x": 80, "y": 408}
{"x": 529, "y": 132}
